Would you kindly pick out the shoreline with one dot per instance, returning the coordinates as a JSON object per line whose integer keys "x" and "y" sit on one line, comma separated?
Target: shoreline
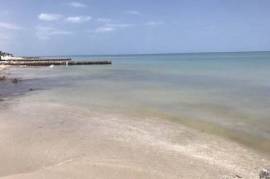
{"x": 52, "y": 139}
{"x": 113, "y": 145}
{"x": 258, "y": 144}
{"x": 207, "y": 127}
{"x": 3, "y": 67}
{"x": 11, "y": 86}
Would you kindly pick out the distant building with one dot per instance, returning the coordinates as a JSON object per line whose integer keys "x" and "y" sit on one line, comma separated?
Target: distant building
{"x": 5, "y": 55}
{"x": 8, "y": 56}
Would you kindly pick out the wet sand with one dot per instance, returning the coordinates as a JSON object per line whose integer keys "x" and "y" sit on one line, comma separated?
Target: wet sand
{"x": 42, "y": 139}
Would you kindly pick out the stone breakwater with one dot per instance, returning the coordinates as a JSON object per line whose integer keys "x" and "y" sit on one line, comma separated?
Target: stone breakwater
{"x": 49, "y": 62}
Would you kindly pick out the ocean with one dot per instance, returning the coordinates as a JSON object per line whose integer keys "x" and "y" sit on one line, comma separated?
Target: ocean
{"x": 225, "y": 94}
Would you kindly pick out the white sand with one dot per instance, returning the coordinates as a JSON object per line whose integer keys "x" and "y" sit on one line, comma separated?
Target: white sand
{"x": 40, "y": 139}
{"x": 2, "y": 67}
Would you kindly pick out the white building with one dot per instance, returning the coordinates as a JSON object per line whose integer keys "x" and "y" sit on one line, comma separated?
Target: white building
{"x": 8, "y": 56}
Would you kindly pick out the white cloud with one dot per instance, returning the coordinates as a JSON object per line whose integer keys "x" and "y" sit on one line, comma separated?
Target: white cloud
{"x": 9, "y": 26}
{"x": 133, "y": 12}
{"x": 119, "y": 25}
{"x": 78, "y": 19}
{"x": 104, "y": 29}
{"x": 103, "y": 20}
{"x": 111, "y": 27}
{"x": 45, "y": 32}
{"x": 77, "y": 4}
{"x": 154, "y": 23}
{"x": 49, "y": 17}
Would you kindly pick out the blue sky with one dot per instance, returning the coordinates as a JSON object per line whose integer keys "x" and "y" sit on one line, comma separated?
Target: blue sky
{"x": 63, "y": 27}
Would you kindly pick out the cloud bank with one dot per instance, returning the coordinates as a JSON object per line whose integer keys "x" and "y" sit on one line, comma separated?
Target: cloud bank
{"x": 49, "y": 17}
{"x": 77, "y": 4}
{"x": 78, "y": 19}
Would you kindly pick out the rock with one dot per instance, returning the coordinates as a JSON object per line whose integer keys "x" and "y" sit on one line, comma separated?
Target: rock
{"x": 265, "y": 174}
{"x": 238, "y": 176}
{"x": 15, "y": 80}
{"x": 3, "y": 78}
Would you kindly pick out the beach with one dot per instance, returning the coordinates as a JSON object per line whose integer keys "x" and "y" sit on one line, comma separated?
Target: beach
{"x": 37, "y": 142}
{"x": 95, "y": 89}
{"x": 2, "y": 68}
{"x": 133, "y": 120}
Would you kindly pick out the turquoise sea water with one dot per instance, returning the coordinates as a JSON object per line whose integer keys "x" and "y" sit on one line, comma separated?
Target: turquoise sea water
{"x": 227, "y": 94}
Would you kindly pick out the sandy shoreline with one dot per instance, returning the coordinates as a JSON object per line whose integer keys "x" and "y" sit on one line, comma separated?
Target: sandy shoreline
{"x": 3, "y": 67}
{"x": 46, "y": 139}
{"x": 37, "y": 142}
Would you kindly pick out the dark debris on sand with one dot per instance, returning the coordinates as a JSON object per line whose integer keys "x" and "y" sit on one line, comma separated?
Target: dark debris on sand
{"x": 13, "y": 80}
{"x": 265, "y": 173}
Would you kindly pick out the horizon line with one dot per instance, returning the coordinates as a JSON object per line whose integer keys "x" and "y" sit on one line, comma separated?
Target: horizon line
{"x": 163, "y": 53}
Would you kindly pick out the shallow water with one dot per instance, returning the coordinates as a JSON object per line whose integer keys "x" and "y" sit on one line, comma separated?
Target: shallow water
{"x": 222, "y": 93}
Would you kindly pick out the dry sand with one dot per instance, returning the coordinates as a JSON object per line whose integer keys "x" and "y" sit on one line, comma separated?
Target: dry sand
{"x": 2, "y": 67}
{"x": 41, "y": 139}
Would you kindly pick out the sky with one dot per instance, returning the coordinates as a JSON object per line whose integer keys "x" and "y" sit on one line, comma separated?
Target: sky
{"x": 67, "y": 27}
